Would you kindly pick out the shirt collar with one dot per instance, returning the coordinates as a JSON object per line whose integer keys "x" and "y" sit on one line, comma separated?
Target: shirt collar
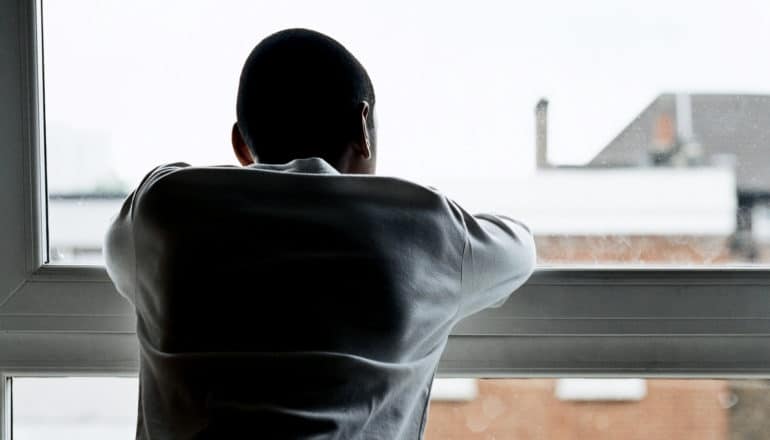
{"x": 309, "y": 165}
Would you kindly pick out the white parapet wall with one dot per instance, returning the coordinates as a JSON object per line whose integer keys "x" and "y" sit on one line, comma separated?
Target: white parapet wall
{"x": 632, "y": 201}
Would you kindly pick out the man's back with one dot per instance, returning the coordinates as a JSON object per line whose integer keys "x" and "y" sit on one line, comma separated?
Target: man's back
{"x": 294, "y": 302}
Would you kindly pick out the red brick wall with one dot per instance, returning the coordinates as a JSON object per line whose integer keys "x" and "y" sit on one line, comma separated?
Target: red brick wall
{"x": 613, "y": 249}
{"x": 527, "y": 409}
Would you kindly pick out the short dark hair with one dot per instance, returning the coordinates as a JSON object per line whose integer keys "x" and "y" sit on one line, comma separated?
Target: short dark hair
{"x": 298, "y": 97}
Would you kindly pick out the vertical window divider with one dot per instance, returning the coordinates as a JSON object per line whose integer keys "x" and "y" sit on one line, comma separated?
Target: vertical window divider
{"x": 6, "y": 407}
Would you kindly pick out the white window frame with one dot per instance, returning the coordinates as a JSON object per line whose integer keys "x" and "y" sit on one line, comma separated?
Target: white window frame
{"x": 60, "y": 320}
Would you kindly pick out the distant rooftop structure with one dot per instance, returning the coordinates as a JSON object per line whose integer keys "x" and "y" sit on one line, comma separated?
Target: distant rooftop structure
{"x": 694, "y": 132}
{"x": 699, "y": 129}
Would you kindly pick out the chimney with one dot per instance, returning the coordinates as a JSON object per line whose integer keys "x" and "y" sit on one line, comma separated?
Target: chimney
{"x": 683, "y": 105}
{"x": 541, "y": 134}
{"x": 691, "y": 150}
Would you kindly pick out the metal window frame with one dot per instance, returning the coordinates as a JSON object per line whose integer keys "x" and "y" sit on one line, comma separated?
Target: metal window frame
{"x": 58, "y": 320}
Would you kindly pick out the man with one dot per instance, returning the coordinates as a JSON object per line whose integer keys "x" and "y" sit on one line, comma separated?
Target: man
{"x": 298, "y": 296}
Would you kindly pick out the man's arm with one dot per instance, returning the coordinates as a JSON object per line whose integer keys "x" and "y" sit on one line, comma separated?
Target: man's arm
{"x": 119, "y": 254}
{"x": 119, "y": 250}
{"x": 499, "y": 256}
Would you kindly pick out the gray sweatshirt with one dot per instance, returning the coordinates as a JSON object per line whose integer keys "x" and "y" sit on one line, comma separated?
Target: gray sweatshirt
{"x": 294, "y": 302}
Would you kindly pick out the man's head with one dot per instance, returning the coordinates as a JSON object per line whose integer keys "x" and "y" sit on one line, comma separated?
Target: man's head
{"x": 302, "y": 94}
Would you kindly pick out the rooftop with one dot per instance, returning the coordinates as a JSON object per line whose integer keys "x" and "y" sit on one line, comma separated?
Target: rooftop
{"x": 726, "y": 129}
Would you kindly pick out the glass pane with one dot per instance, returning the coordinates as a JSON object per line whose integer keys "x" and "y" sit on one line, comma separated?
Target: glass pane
{"x": 565, "y": 409}
{"x": 652, "y": 147}
{"x": 74, "y": 408}
{"x": 462, "y": 409}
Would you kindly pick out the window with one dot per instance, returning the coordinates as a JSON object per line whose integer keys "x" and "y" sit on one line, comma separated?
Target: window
{"x": 623, "y": 136}
{"x": 579, "y": 321}
{"x": 74, "y": 408}
{"x": 557, "y": 409}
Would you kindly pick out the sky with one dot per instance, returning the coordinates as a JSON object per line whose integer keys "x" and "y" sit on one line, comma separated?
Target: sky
{"x": 130, "y": 85}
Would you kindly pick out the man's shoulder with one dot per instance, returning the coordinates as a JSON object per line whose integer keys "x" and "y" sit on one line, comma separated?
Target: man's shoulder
{"x": 180, "y": 172}
{"x": 174, "y": 183}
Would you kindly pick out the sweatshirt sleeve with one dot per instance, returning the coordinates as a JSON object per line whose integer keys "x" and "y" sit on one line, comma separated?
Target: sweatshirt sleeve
{"x": 498, "y": 257}
{"x": 119, "y": 250}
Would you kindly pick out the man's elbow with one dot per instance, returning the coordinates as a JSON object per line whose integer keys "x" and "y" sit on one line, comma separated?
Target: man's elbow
{"x": 524, "y": 254}
{"x": 118, "y": 258}
{"x": 530, "y": 250}
{"x": 524, "y": 262}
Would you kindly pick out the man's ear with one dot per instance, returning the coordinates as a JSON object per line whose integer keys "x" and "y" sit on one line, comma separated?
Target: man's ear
{"x": 240, "y": 148}
{"x": 364, "y": 144}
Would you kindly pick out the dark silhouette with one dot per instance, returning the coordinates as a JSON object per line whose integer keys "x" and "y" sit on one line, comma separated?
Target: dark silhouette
{"x": 294, "y": 298}
{"x": 302, "y": 94}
